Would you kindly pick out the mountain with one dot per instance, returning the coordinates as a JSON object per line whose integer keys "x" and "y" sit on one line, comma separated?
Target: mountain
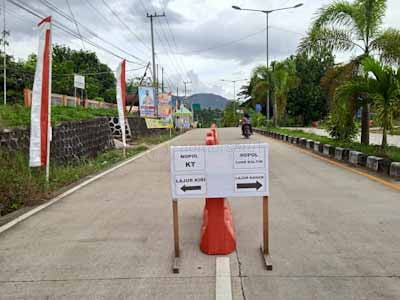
{"x": 206, "y": 100}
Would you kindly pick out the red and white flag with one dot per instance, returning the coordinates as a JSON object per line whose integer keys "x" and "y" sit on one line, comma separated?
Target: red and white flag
{"x": 121, "y": 98}
{"x": 39, "y": 149}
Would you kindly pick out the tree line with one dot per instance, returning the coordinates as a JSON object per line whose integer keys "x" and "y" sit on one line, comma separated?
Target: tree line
{"x": 99, "y": 83}
{"x": 310, "y": 86}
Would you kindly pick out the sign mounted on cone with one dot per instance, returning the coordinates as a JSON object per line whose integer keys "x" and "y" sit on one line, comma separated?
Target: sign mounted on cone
{"x": 239, "y": 170}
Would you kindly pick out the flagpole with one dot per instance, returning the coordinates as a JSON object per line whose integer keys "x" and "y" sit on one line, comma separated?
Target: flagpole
{"x": 49, "y": 129}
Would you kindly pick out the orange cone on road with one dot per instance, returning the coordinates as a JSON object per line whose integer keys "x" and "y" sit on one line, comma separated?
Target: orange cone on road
{"x": 210, "y": 139}
{"x": 217, "y": 232}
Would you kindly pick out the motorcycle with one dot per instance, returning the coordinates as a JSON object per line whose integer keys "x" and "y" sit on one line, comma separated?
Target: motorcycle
{"x": 246, "y": 131}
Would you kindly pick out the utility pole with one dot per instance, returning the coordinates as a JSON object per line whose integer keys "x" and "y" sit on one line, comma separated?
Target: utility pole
{"x": 269, "y": 79}
{"x": 4, "y": 53}
{"x": 185, "y": 83}
{"x": 162, "y": 79}
{"x": 155, "y": 15}
{"x": 158, "y": 79}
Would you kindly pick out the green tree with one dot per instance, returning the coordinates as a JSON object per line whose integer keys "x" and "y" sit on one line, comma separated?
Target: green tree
{"x": 230, "y": 118}
{"x": 208, "y": 116}
{"x": 341, "y": 119}
{"x": 309, "y": 100}
{"x": 382, "y": 86}
{"x": 346, "y": 26}
{"x": 283, "y": 79}
{"x": 260, "y": 81}
{"x": 99, "y": 78}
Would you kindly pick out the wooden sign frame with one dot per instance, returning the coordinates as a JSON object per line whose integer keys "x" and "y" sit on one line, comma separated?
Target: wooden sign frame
{"x": 264, "y": 247}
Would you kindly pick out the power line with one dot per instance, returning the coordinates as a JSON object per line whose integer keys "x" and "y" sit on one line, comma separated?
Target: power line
{"x": 64, "y": 15}
{"x": 222, "y": 45}
{"x": 169, "y": 54}
{"x": 173, "y": 58}
{"x": 65, "y": 29}
{"x": 174, "y": 40}
{"x": 125, "y": 25}
{"x": 76, "y": 24}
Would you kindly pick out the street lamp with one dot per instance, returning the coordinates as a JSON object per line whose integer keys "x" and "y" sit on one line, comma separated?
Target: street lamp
{"x": 267, "y": 12}
{"x": 234, "y": 90}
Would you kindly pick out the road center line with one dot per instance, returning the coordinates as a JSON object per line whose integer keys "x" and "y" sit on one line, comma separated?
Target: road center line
{"x": 223, "y": 286}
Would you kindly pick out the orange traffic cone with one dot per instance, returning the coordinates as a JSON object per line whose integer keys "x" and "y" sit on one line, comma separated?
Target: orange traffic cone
{"x": 210, "y": 139}
{"x": 217, "y": 232}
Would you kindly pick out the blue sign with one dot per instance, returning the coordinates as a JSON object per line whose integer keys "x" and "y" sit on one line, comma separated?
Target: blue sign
{"x": 258, "y": 107}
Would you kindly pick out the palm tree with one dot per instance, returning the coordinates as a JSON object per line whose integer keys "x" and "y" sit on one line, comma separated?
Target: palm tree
{"x": 347, "y": 26}
{"x": 279, "y": 79}
{"x": 382, "y": 86}
{"x": 259, "y": 84}
{"x": 283, "y": 79}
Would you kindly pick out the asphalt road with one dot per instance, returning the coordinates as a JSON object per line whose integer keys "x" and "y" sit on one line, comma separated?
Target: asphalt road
{"x": 334, "y": 234}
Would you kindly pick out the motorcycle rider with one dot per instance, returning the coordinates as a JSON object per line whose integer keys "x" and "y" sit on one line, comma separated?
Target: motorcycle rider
{"x": 246, "y": 121}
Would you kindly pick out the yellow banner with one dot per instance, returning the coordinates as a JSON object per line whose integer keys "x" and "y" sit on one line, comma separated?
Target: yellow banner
{"x": 159, "y": 123}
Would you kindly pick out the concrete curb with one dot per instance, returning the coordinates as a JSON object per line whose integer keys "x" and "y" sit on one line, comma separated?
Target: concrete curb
{"x": 355, "y": 158}
{"x": 82, "y": 185}
{"x": 395, "y": 170}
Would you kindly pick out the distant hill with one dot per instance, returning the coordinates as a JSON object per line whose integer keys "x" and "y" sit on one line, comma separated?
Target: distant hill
{"x": 206, "y": 100}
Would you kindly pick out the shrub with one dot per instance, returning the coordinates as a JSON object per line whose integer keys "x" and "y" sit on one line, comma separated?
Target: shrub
{"x": 19, "y": 185}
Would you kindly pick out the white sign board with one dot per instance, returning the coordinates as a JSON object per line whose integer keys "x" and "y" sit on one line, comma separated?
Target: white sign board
{"x": 79, "y": 81}
{"x": 239, "y": 170}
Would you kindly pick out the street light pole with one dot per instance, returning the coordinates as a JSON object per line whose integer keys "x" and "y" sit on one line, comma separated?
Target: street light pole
{"x": 234, "y": 91}
{"x": 267, "y": 12}
{"x": 267, "y": 46}
{"x": 5, "y": 55}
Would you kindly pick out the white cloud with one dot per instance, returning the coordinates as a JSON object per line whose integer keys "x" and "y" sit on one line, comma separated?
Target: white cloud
{"x": 206, "y": 25}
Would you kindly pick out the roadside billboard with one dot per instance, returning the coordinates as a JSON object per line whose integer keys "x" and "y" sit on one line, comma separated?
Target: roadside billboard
{"x": 147, "y": 102}
{"x": 164, "y": 105}
{"x": 159, "y": 123}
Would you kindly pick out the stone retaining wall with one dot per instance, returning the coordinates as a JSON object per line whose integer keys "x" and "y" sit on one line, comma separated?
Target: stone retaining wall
{"x": 76, "y": 140}
{"x": 80, "y": 139}
{"x": 71, "y": 140}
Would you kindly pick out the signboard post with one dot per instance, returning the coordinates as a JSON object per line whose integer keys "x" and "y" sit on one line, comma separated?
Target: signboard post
{"x": 239, "y": 170}
{"x": 79, "y": 83}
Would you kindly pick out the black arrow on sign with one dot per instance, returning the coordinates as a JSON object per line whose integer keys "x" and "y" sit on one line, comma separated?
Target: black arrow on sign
{"x": 256, "y": 185}
{"x": 191, "y": 188}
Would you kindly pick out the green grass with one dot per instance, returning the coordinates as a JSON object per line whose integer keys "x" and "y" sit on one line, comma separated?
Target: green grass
{"x": 19, "y": 116}
{"x": 23, "y": 186}
{"x": 156, "y": 139}
{"x": 391, "y": 152}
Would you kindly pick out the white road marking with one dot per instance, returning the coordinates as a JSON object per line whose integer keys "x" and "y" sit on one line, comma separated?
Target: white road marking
{"x": 79, "y": 186}
{"x": 223, "y": 286}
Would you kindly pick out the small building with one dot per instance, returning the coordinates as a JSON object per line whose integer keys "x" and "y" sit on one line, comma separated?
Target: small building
{"x": 183, "y": 117}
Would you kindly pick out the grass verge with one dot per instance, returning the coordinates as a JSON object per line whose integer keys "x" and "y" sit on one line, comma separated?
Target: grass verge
{"x": 391, "y": 152}
{"x": 23, "y": 186}
{"x": 20, "y": 116}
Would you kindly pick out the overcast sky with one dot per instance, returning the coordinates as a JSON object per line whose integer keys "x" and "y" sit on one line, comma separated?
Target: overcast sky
{"x": 202, "y": 41}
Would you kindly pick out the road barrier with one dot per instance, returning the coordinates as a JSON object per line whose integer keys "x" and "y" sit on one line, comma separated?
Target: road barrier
{"x": 216, "y": 173}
